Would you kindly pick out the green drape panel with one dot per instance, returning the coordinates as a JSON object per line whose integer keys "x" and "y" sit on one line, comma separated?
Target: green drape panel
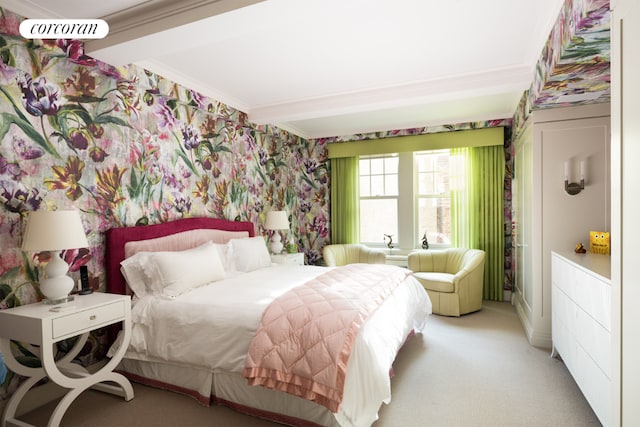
{"x": 488, "y": 167}
{"x": 345, "y": 200}
{"x": 462, "y": 232}
{"x": 477, "y": 210}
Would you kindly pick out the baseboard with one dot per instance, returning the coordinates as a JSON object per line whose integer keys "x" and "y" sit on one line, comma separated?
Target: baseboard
{"x": 541, "y": 340}
{"x": 524, "y": 319}
{"x": 507, "y": 296}
{"x": 535, "y": 338}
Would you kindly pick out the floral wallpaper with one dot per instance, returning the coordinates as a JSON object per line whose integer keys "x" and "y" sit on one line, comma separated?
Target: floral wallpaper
{"x": 575, "y": 61}
{"x": 127, "y": 147}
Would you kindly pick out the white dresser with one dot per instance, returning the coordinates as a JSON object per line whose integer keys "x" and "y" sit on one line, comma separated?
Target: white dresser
{"x": 581, "y": 324}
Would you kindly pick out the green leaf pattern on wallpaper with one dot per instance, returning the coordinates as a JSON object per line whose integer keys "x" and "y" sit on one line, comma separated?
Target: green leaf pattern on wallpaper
{"x": 126, "y": 147}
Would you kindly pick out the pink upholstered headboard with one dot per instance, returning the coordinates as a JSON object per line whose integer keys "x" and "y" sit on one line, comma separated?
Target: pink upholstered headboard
{"x": 117, "y": 237}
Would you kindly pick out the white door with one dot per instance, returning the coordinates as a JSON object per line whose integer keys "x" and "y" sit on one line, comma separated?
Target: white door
{"x": 523, "y": 202}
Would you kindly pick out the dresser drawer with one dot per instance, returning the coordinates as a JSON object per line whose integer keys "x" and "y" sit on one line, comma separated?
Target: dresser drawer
{"x": 87, "y": 320}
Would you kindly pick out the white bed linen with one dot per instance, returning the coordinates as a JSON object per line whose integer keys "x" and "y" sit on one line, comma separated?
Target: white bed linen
{"x": 211, "y": 327}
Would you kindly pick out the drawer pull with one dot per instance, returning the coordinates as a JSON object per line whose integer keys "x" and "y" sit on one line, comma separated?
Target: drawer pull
{"x": 92, "y": 317}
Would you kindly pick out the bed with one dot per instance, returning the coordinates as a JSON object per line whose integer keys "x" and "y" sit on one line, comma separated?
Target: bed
{"x": 208, "y": 340}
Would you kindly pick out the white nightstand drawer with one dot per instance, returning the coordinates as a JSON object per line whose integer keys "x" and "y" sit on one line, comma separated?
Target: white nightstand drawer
{"x": 288, "y": 259}
{"x": 77, "y": 322}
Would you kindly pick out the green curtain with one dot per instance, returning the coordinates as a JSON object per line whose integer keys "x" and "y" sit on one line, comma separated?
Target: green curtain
{"x": 345, "y": 197}
{"x": 477, "y": 209}
{"x": 462, "y": 231}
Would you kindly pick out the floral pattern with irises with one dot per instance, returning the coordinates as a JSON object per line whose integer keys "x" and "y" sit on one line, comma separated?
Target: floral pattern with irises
{"x": 127, "y": 147}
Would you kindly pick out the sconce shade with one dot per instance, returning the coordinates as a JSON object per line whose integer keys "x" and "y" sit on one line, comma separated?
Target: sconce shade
{"x": 277, "y": 220}
{"x": 54, "y": 231}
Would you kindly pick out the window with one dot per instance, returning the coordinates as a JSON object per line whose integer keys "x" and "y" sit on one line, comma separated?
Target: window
{"x": 432, "y": 196}
{"x": 405, "y": 195}
{"x": 378, "y": 197}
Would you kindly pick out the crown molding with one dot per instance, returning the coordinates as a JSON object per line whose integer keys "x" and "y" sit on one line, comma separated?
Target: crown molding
{"x": 396, "y": 119}
{"x": 156, "y": 16}
{"x": 424, "y": 92}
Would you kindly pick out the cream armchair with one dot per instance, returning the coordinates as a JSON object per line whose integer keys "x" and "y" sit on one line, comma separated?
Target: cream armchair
{"x": 453, "y": 278}
{"x": 352, "y": 253}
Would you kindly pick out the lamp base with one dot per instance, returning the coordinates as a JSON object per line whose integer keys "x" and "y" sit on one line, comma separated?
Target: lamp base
{"x": 57, "y": 286}
{"x": 275, "y": 244}
{"x": 57, "y": 301}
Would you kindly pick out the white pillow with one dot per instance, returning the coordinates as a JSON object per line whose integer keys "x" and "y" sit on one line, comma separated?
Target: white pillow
{"x": 224, "y": 252}
{"x": 249, "y": 254}
{"x": 181, "y": 241}
{"x": 178, "y": 272}
{"x": 133, "y": 270}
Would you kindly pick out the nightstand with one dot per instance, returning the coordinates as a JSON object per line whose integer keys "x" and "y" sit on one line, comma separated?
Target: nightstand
{"x": 288, "y": 259}
{"x": 42, "y": 326}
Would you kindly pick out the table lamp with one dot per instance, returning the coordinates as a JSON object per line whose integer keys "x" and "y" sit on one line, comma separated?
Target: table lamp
{"x": 276, "y": 220}
{"x": 55, "y": 231}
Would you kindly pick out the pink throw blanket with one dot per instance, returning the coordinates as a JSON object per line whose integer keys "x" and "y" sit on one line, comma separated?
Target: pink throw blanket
{"x": 306, "y": 335}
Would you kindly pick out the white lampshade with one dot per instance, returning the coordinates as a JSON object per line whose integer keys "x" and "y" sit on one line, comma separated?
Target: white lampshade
{"x": 54, "y": 231}
{"x": 277, "y": 220}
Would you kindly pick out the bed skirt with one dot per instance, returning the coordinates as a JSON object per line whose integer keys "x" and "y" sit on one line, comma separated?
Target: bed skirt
{"x": 228, "y": 389}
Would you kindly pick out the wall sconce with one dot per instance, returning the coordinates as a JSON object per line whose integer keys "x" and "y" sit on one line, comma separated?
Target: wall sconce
{"x": 573, "y": 188}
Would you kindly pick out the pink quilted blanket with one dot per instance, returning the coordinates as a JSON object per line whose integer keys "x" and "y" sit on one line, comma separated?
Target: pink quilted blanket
{"x": 306, "y": 335}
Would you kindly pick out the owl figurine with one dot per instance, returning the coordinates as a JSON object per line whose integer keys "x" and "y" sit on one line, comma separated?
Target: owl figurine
{"x": 599, "y": 243}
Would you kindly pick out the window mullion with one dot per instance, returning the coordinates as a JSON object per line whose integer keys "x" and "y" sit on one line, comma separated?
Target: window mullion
{"x": 406, "y": 202}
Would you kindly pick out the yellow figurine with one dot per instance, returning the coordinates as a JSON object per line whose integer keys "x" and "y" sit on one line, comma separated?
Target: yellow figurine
{"x": 599, "y": 242}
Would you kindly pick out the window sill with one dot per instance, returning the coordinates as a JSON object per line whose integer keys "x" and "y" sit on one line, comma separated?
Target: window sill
{"x": 404, "y": 252}
{"x": 399, "y": 260}
{"x": 399, "y": 256}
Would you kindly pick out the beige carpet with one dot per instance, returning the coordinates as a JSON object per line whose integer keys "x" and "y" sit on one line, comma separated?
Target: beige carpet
{"x": 477, "y": 370}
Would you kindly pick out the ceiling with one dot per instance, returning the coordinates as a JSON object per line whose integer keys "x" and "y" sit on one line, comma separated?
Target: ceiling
{"x": 321, "y": 68}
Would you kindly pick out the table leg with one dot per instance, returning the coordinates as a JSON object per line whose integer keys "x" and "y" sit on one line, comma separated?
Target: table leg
{"x": 125, "y": 390}
{"x": 64, "y": 373}
{"x": 9, "y": 416}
